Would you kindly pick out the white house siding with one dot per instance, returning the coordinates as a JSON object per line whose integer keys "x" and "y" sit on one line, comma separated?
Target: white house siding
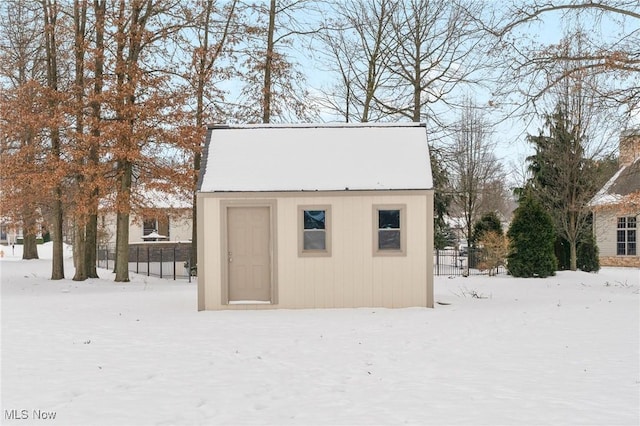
{"x": 351, "y": 276}
{"x": 605, "y": 231}
{"x": 179, "y": 227}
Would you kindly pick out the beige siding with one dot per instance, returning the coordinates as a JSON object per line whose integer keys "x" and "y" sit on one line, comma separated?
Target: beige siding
{"x": 351, "y": 276}
{"x": 605, "y": 227}
{"x": 605, "y": 230}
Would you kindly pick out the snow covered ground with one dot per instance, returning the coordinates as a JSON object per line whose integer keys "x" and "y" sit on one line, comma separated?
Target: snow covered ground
{"x": 561, "y": 350}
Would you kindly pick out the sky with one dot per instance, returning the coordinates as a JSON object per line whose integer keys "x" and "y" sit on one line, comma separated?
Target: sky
{"x": 509, "y": 134}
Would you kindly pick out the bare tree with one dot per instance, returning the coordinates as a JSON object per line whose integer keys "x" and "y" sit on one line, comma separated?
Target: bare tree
{"x": 473, "y": 165}
{"x": 212, "y": 40}
{"x": 435, "y": 54}
{"x": 270, "y": 70}
{"x": 611, "y": 29}
{"x": 358, "y": 41}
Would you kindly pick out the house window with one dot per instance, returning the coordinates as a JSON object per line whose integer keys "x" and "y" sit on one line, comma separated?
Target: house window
{"x": 627, "y": 236}
{"x": 314, "y": 223}
{"x": 389, "y": 236}
{"x": 159, "y": 224}
{"x": 149, "y": 225}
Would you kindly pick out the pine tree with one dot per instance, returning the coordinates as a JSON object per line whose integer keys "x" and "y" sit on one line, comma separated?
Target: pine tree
{"x": 532, "y": 237}
{"x": 489, "y": 222}
{"x": 563, "y": 179}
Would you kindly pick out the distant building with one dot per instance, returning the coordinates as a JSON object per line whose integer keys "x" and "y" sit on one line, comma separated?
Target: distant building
{"x": 616, "y": 208}
{"x": 162, "y": 217}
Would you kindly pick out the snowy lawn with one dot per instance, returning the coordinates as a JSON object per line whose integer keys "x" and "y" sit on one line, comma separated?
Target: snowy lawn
{"x": 562, "y": 350}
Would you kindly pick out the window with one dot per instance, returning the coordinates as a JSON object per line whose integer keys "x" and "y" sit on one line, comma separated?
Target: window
{"x": 149, "y": 225}
{"x": 389, "y": 230}
{"x": 159, "y": 224}
{"x": 314, "y": 231}
{"x": 626, "y": 236}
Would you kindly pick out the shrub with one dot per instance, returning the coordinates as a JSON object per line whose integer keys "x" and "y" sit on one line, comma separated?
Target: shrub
{"x": 531, "y": 234}
{"x": 587, "y": 253}
{"x": 495, "y": 248}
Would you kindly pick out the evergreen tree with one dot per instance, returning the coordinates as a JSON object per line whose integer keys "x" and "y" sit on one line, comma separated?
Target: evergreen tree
{"x": 488, "y": 222}
{"x": 588, "y": 260}
{"x": 442, "y": 234}
{"x": 532, "y": 237}
{"x": 563, "y": 179}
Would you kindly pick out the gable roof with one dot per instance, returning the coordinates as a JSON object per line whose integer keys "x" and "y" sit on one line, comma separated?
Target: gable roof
{"x": 316, "y": 157}
{"x": 625, "y": 182}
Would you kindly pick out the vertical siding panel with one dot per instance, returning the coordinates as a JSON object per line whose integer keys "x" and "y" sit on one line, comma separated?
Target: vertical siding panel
{"x": 328, "y": 265}
{"x": 287, "y": 291}
{"x": 416, "y": 240}
{"x": 319, "y": 284}
{"x": 361, "y": 269}
{"x": 212, "y": 248}
{"x": 605, "y": 236}
{"x": 366, "y": 244}
{"x": 339, "y": 256}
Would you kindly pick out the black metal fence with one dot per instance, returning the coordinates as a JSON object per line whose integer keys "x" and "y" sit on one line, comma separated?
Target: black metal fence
{"x": 159, "y": 259}
{"x": 172, "y": 260}
{"x": 466, "y": 262}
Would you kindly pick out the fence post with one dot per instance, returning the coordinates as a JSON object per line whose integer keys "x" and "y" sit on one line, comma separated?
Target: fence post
{"x": 437, "y": 262}
{"x": 160, "y": 262}
{"x": 137, "y": 259}
{"x": 148, "y": 262}
{"x": 174, "y": 263}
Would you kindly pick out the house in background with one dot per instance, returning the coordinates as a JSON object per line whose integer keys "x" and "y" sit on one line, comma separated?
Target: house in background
{"x": 616, "y": 208}
{"x": 159, "y": 217}
{"x": 315, "y": 216}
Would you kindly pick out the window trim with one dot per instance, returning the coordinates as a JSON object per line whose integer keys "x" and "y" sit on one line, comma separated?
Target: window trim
{"x": 403, "y": 230}
{"x": 625, "y": 229}
{"x": 327, "y": 231}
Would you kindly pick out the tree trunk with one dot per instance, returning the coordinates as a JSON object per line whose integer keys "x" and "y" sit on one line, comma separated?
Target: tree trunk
{"x": 57, "y": 264}
{"x": 79, "y": 253}
{"x": 91, "y": 236}
{"x": 573, "y": 259}
{"x": 30, "y": 247}
{"x": 79, "y": 18}
{"x": 122, "y": 225}
{"x": 91, "y": 246}
{"x": 29, "y": 240}
{"x": 50, "y": 24}
{"x": 266, "y": 112}
{"x": 122, "y": 248}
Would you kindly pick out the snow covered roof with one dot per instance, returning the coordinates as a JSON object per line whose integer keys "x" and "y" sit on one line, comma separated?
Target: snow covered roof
{"x": 626, "y": 181}
{"x": 145, "y": 197}
{"x": 316, "y": 157}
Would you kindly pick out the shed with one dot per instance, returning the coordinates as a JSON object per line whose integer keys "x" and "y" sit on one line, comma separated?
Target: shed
{"x": 315, "y": 216}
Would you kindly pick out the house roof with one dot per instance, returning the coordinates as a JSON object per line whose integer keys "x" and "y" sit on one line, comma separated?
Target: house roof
{"x": 625, "y": 182}
{"x": 316, "y": 157}
{"x": 146, "y": 197}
